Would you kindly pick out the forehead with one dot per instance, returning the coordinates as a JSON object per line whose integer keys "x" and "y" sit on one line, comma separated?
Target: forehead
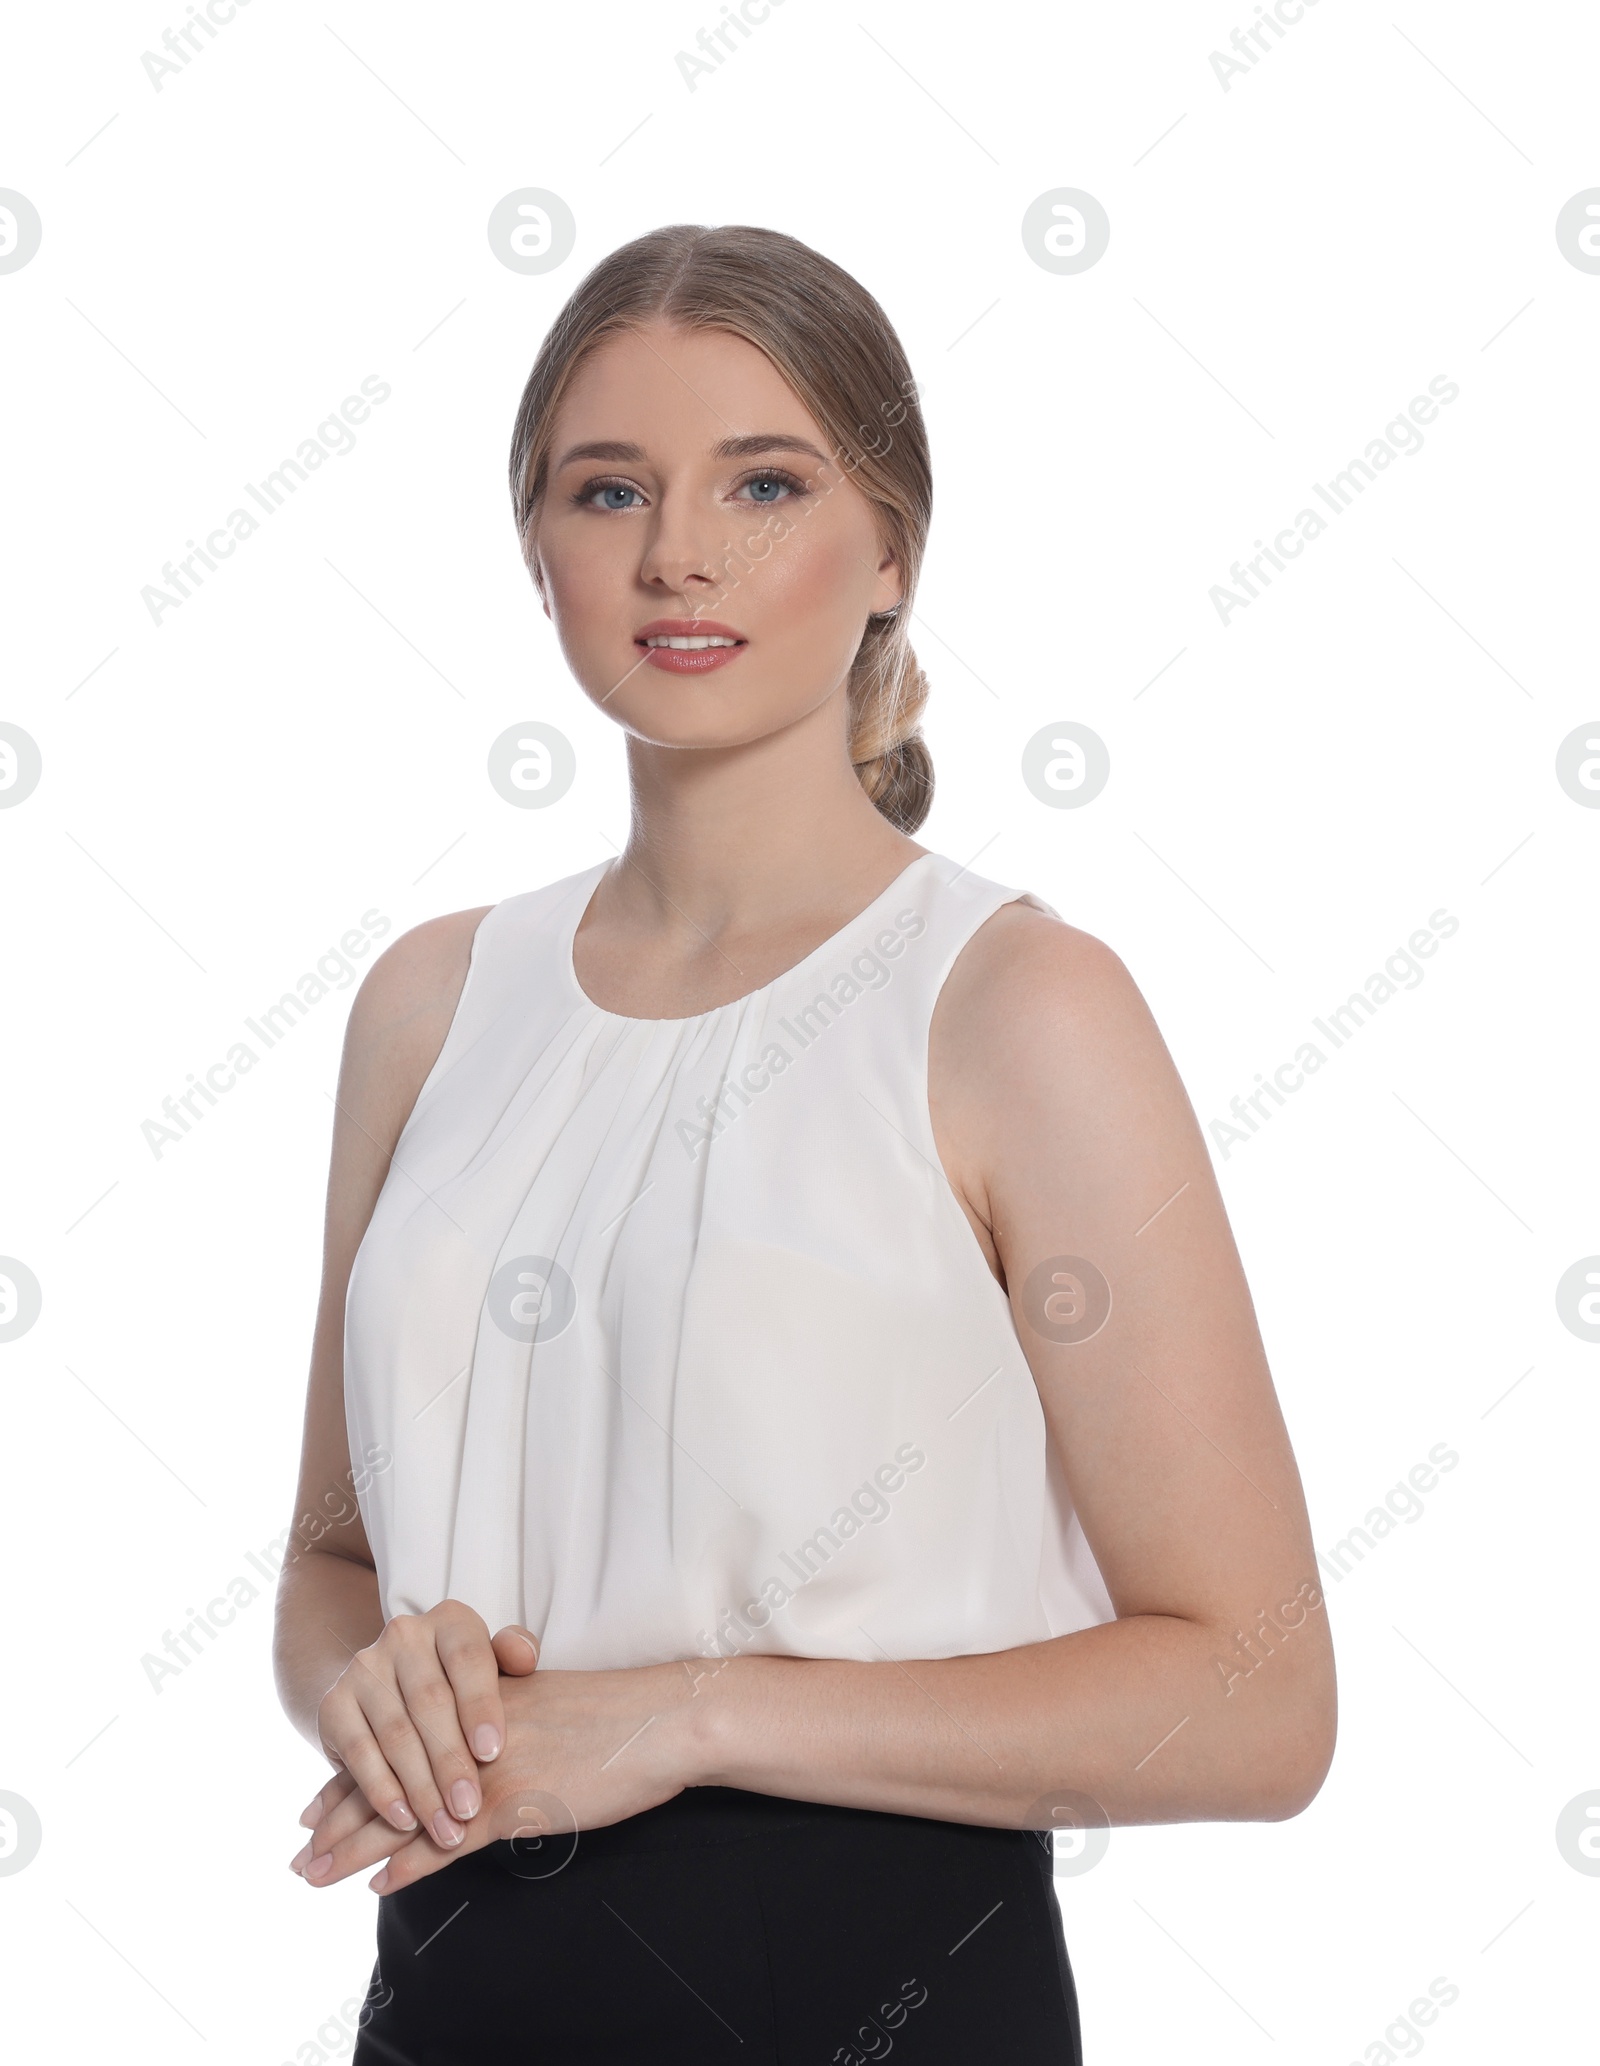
{"x": 663, "y": 386}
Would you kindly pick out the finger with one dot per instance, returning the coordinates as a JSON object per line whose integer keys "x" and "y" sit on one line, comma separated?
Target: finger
{"x": 333, "y": 1789}
{"x": 348, "y": 1734}
{"x": 359, "y": 1852}
{"x": 473, "y": 1670}
{"x": 351, "y": 1815}
{"x": 454, "y": 1796}
{"x": 341, "y": 1821}
{"x": 420, "y": 1856}
{"x": 399, "y": 1736}
{"x": 336, "y": 1790}
{"x": 516, "y": 1651}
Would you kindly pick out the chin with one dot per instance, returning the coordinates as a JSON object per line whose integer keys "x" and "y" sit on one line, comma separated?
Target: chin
{"x": 657, "y": 729}
{"x": 687, "y": 713}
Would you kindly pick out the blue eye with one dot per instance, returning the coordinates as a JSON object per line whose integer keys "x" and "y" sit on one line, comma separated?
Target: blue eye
{"x": 785, "y": 483}
{"x": 618, "y": 496}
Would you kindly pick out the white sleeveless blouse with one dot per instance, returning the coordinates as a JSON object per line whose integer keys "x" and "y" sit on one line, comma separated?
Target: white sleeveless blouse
{"x": 670, "y": 1337}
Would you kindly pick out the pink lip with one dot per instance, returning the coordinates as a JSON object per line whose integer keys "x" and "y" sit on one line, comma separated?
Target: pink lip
{"x": 678, "y": 662}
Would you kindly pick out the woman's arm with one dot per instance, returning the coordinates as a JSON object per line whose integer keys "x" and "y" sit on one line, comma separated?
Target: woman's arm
{"x": 1067, "y": 1134}
{"x": 1067, "y": 1137}
{"x": 330, "y": 1631}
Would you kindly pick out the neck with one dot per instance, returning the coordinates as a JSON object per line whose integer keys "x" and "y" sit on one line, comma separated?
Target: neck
{"x": 739, "y": 836}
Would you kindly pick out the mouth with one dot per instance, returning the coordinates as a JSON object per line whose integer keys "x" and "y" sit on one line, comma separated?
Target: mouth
{"x": 686, "y": 645}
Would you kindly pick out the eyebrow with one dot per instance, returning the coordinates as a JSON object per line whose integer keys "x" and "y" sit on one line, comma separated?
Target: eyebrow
{"x": 729, "y": 448}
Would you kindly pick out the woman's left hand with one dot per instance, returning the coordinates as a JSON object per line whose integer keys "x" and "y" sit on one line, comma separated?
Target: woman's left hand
{"x": 583, "y": 1749}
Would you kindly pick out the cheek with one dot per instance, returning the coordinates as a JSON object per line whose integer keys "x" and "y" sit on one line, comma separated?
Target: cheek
{"x": 809, "y": 583}
{"x": 592, "y": 607}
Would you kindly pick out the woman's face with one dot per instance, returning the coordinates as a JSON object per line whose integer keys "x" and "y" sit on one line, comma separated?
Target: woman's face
{"x": 690, "y": 494}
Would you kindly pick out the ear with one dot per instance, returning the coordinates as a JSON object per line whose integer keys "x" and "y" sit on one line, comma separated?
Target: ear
{"x": 530, "y": 559}
{"x": 890, "y": 591}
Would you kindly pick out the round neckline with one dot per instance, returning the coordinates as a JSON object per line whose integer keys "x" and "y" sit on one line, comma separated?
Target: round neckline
{"x": 694, "y": 1018}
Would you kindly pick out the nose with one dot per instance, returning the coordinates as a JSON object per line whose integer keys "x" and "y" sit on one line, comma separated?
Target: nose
{"x": 686, "y": 547}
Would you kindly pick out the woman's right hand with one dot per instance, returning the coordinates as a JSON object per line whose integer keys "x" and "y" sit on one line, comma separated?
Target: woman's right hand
{"x": 414, "y": 1714}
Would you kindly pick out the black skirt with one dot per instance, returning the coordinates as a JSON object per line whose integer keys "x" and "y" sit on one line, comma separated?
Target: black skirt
{"x": 726, "y": 1925}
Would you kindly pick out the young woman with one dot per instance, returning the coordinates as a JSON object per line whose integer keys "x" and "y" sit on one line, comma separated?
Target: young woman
{"x": 808, "y": 1416}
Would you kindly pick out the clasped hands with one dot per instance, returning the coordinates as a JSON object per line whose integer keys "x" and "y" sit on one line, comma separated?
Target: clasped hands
{"x": 446, "y": 1739}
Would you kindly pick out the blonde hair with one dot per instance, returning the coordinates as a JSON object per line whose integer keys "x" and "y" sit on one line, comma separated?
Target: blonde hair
{"x": 837, "y": 349}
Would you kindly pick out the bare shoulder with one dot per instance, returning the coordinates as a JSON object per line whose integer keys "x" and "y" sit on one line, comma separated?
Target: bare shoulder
{"x": 1027, "y": 981}
{"x": 400, "y": 1017}
{"x": 1043, "y": 1050}
{"x": 418, "y": 972}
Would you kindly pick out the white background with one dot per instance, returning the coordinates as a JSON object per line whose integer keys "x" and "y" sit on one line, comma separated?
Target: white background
{"x": 1292, "y": 794}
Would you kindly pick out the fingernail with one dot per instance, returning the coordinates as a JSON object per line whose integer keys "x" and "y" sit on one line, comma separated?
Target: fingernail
{"x": 464, "y": 1799}
{"x": 310, "y": 1818}
{"x": 319, "y": 1868}
{"x": 401, "y": 1816}
{"x": 299, "y": 1858}
{"x": 486, "y": 1741}
{"x": 449, "y": 1833}
{"x": 378, "y": 1884}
